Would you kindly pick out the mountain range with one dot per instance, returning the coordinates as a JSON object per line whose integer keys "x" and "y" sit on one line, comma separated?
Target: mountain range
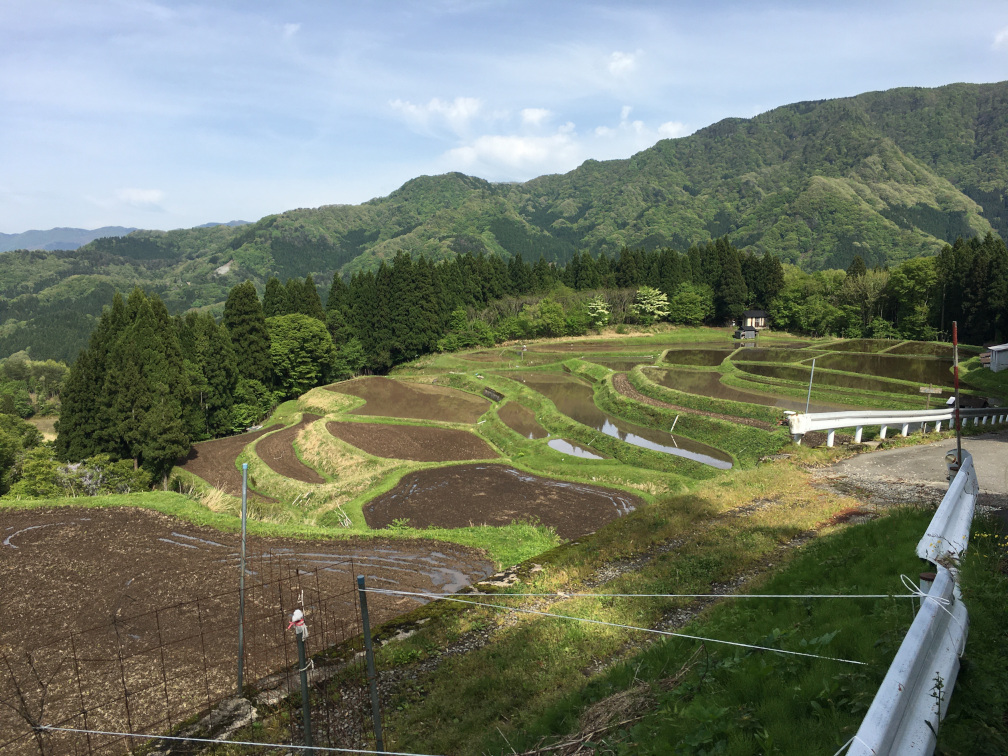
{"x": 884, "y": 175}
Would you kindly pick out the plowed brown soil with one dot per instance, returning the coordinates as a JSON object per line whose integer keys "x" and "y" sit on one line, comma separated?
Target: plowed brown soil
{"x": 418, "y": 401}
{"x": 277, "y": 451}
{"x": 215, "y": 461}
{"x": 419, "y": 443}
{"x": 453, "y": 497}
{"x": 105, "y": 571}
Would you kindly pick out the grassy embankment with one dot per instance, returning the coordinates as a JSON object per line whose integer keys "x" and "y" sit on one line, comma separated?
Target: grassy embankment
{"x": 552, "y": 680}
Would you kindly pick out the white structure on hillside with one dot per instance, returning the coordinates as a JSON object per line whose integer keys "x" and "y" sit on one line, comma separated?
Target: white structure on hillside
{"x": 998, "y": 357}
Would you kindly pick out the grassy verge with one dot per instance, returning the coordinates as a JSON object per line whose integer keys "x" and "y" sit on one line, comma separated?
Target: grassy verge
{"x": 535, "y": 664}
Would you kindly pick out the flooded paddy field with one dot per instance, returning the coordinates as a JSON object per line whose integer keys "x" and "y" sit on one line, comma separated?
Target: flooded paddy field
{"x": 708, "y": 383}
{"x": 697, "y": 357}
{"x": 464, "y": 495}
{"x": 574, "y": 399}
{"x": 921, "y": 369}
{"x": 419, "y": 443}
{"x": 385, "y": 397}
{"x": 801, "y": 373}
{"x": 522, "y": 421}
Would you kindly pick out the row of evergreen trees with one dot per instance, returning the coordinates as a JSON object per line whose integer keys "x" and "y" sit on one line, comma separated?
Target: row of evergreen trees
{"x": 148, "y": 384}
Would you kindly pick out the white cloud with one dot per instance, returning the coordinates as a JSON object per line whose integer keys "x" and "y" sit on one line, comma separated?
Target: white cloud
{"x": 535, "y": 116}
{"x": 289, "y": 30}
{"x": 456, "y": 114}
{"x": 621, "y": 63}
{"x": 146, "y": 199}
{"x": 674, "y": 130}
{"x": 625, "y": 113}
{"x": 511, "y": 155}
{"x": 1001, "y": 38}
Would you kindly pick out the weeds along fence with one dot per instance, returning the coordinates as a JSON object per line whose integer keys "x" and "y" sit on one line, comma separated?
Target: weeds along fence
{"x": 173, "y": 670}
{"x": 906, "y": 714}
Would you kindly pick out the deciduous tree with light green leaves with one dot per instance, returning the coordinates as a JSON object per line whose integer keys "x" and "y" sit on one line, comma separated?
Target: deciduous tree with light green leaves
{"x": 650, "y": 305}
{"x": 302, "y": 353}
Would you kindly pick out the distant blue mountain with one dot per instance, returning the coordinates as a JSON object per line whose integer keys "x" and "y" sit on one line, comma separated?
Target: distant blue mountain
{"x": 72, "y": 238}
{"x": 229, "y": 223}
{"x": 58, "y": 238}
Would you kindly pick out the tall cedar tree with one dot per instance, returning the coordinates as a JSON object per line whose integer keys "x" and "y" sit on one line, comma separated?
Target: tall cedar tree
{"x": 246, "y": 325}
{"x": 212, "y": 368}
{"x": 146, "y": 388}
{"x": 80, "y": 424}
{"x": 275, "y": 301}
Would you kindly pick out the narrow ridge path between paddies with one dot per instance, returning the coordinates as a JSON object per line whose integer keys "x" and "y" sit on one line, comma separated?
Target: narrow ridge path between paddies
{"x": 385, "y": 397}
{"x": 277, "y": 451}
{"x": 622, "y": 384}
{"x": 417, "y": 443}
{"x": 492, "y": 494}
{"x": 216, "y": 462}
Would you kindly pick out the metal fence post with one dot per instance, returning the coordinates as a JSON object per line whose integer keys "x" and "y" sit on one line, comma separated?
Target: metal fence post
{"x": 369, "y": 656}
{"x": 301, "y": 632}
{"x": 241, "y": 581}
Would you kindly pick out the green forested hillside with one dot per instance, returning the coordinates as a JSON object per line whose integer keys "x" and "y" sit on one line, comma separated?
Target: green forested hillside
{"x": 886, "y": 175}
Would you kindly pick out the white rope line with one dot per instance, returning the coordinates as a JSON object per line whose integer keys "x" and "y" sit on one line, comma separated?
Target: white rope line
{"x": 850, "y": 742}
{"x": 49, "y": 728}
{"x": 563, "y": 595}
{"x": 667, "y": 633}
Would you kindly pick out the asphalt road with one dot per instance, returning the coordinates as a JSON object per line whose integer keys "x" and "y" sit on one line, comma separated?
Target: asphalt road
{"x": 926, "y": 464}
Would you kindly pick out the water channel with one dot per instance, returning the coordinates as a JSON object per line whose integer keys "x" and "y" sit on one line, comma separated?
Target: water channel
{"x": 574, "y": 399}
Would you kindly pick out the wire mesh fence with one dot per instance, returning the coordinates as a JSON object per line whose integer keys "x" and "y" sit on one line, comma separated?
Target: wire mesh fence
{"x": 173, "y": 670}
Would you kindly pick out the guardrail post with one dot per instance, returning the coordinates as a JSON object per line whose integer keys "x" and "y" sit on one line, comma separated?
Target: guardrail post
{"x": 857, "y": 434}
{"x": 905, "y": 430}
{"x": 882, "y": 432}
{"x": 829, "y": 437}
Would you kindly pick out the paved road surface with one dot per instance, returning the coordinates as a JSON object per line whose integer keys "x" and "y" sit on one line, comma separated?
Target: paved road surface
{"x": 926, "y": 464}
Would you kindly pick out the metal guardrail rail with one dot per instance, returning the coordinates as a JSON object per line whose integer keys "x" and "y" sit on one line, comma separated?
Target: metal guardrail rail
{"x": 906, "y": 713}
{"x": 801, "y": 423}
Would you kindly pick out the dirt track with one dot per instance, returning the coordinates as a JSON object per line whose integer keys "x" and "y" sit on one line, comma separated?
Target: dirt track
{"x": 419, "y": 443}
{"x": 277, "y": 451}
{"x": 453, "y": 497}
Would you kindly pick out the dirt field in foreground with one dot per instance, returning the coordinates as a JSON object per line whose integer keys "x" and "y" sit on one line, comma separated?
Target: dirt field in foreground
{"x": 453, "y": 497}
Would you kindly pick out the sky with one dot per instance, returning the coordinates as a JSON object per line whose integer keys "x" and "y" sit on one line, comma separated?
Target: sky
{"x": 172, "y": 114}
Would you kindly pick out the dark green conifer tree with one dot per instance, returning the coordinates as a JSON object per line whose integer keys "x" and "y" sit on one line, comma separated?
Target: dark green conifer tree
{"x": 275, "y": 300}
{"x": 246, "y": 325}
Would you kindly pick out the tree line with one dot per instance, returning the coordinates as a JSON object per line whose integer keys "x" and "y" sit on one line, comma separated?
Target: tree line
{"x": 148, "y": 384}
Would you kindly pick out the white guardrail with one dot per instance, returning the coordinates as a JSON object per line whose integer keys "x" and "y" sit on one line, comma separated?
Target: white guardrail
{"x": 802, "y": 423}
{"x": 913, "y": 698}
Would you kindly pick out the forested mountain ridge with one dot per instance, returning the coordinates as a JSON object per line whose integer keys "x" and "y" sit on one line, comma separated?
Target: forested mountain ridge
{"x": 884, "y": 175}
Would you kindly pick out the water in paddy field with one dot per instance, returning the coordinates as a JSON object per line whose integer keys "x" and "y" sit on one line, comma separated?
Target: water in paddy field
{"x": 707, "y": 383}
{"x": 924, "y": 370}
{"x": 574, "y": 399}
{"x": 697, "y": 357}
{"x": 566, "y": 447}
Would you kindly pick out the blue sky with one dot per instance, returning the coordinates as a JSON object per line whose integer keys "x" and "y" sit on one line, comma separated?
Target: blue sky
{"x": 171, "y": 114}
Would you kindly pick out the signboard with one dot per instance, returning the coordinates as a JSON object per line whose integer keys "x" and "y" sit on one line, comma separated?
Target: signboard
{"x": 930, "y": 390}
